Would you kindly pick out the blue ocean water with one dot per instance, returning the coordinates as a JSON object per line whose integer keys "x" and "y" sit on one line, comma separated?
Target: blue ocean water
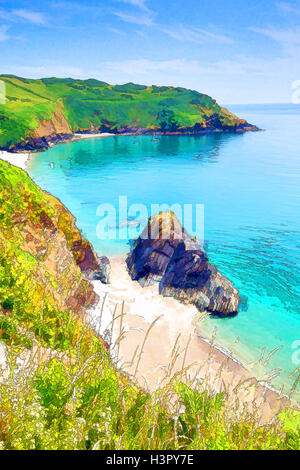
{"x": 250, "y": 187}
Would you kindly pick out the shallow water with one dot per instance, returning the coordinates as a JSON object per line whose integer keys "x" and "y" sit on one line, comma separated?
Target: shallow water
{"x": 250, "y": 187}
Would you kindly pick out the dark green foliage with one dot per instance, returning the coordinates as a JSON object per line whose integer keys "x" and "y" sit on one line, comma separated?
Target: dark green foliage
{"x": 167, "y": 121}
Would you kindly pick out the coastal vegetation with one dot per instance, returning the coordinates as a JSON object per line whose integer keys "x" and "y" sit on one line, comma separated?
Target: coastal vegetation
{"x": 59, "y": 387}
{"x": 49, "y": 107}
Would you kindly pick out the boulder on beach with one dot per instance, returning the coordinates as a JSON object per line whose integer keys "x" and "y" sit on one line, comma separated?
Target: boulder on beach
{"x": 154, "y": 248}
{"x": 167, "y": 254}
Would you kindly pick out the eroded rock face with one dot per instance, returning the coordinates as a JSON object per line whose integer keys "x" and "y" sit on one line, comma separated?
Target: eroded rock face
{"x": 102, "y": 272}
{"x": 154, "y": 248}
{"x": 191, "y": 279}
{"x": 167, "y": 254}
{"x": 93, "y": 267}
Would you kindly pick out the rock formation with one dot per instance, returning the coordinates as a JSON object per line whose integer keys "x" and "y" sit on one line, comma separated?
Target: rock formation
{"x": 167, "y": 254}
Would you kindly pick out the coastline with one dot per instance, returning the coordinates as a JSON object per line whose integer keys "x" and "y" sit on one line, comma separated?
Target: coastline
{"x": 21, "y": 159}
{"x": 127, "y": 314}
{"x": 41, "y": 144}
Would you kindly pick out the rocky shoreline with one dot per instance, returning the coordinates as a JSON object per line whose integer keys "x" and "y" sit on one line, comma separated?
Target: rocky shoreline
{"x": 40, "y": 144}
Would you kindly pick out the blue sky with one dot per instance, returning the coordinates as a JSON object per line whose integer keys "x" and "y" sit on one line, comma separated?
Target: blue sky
{"x": 237, "y": 51}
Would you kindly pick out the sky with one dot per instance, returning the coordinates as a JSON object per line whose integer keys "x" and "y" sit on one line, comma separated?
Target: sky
{"x": 237, "y": 51}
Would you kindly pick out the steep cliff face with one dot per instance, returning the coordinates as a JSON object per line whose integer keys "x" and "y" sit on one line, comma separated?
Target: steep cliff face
{"x": 57, "y": 124}
{"x": 44, "y": 260}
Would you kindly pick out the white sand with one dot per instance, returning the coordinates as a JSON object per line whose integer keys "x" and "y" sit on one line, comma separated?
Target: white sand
{"x": 176, "y": 324}
{"x": 91, "y": 136}
{"x": 18, "y": 159}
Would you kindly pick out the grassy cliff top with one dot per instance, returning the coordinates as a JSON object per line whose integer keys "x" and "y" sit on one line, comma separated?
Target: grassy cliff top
{"x": 37, "y": 108}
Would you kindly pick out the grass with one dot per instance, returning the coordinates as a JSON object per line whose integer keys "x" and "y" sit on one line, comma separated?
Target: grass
{"x": 81, "y": 401}
{"x": 88, "y": 104}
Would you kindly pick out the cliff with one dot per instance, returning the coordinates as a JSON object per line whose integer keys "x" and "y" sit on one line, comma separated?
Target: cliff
{"x": 44, "y": 260}
{"x": 39, "y": 112}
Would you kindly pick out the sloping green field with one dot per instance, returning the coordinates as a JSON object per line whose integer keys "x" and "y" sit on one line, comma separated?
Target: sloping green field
{"x": 89, "y": 104}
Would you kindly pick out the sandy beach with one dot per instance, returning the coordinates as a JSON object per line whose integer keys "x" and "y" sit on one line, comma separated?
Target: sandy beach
{"x": 21, "y": 159}
{"x": 91, "y": 136}
{"x": 18, "y": 159}
{"x": 135, "y": 318}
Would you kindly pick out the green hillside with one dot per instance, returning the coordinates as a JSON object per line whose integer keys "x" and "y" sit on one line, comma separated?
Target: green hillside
{"x": 41, "y": 108}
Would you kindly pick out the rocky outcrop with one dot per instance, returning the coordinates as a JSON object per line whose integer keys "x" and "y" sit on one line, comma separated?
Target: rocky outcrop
{"x": 48, "y": 132}
{"x": 153, "y": 250}
{"x": 39, "y": 144}
{"x": 167, "y": 254}
{"x": 57, "y": 125}
{"x": 209, "y": 126}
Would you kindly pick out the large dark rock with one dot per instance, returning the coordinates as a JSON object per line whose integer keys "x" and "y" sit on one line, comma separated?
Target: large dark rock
{"x": 167, "y": 254}
{"x": 154, "y": 248}
{"x": 191, "y": 279}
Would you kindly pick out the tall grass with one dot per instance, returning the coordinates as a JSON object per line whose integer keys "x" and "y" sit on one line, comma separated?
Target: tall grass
{"x": 79, "y": 399}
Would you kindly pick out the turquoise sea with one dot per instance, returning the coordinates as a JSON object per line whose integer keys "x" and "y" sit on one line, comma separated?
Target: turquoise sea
{"x": 250, "y": 187}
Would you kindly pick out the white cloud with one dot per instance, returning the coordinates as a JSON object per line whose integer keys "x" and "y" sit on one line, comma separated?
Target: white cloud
{"x": 31, "y": 16}
{"x": 76, "y": 8}
{"x": 46, "y": 71}
{"x": 287, "y": 37}
{"x": 288, "y": 8}
{"x": 145, "y": 66}
{"x": 3, "y": 33}
{"x": 22, "y": 14}
{"x": 254, "y": 80}
{"x": 240, "y": 65}
{"x": 137, "y": 3}
{"x": 144, "y": 17}
{"x": 146, "y": 20}
{"x": 197, "y": 35}
{"x": 129, "y": 69}
{"x": 5, "y": 15}
{"x": 116, "y": 31}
